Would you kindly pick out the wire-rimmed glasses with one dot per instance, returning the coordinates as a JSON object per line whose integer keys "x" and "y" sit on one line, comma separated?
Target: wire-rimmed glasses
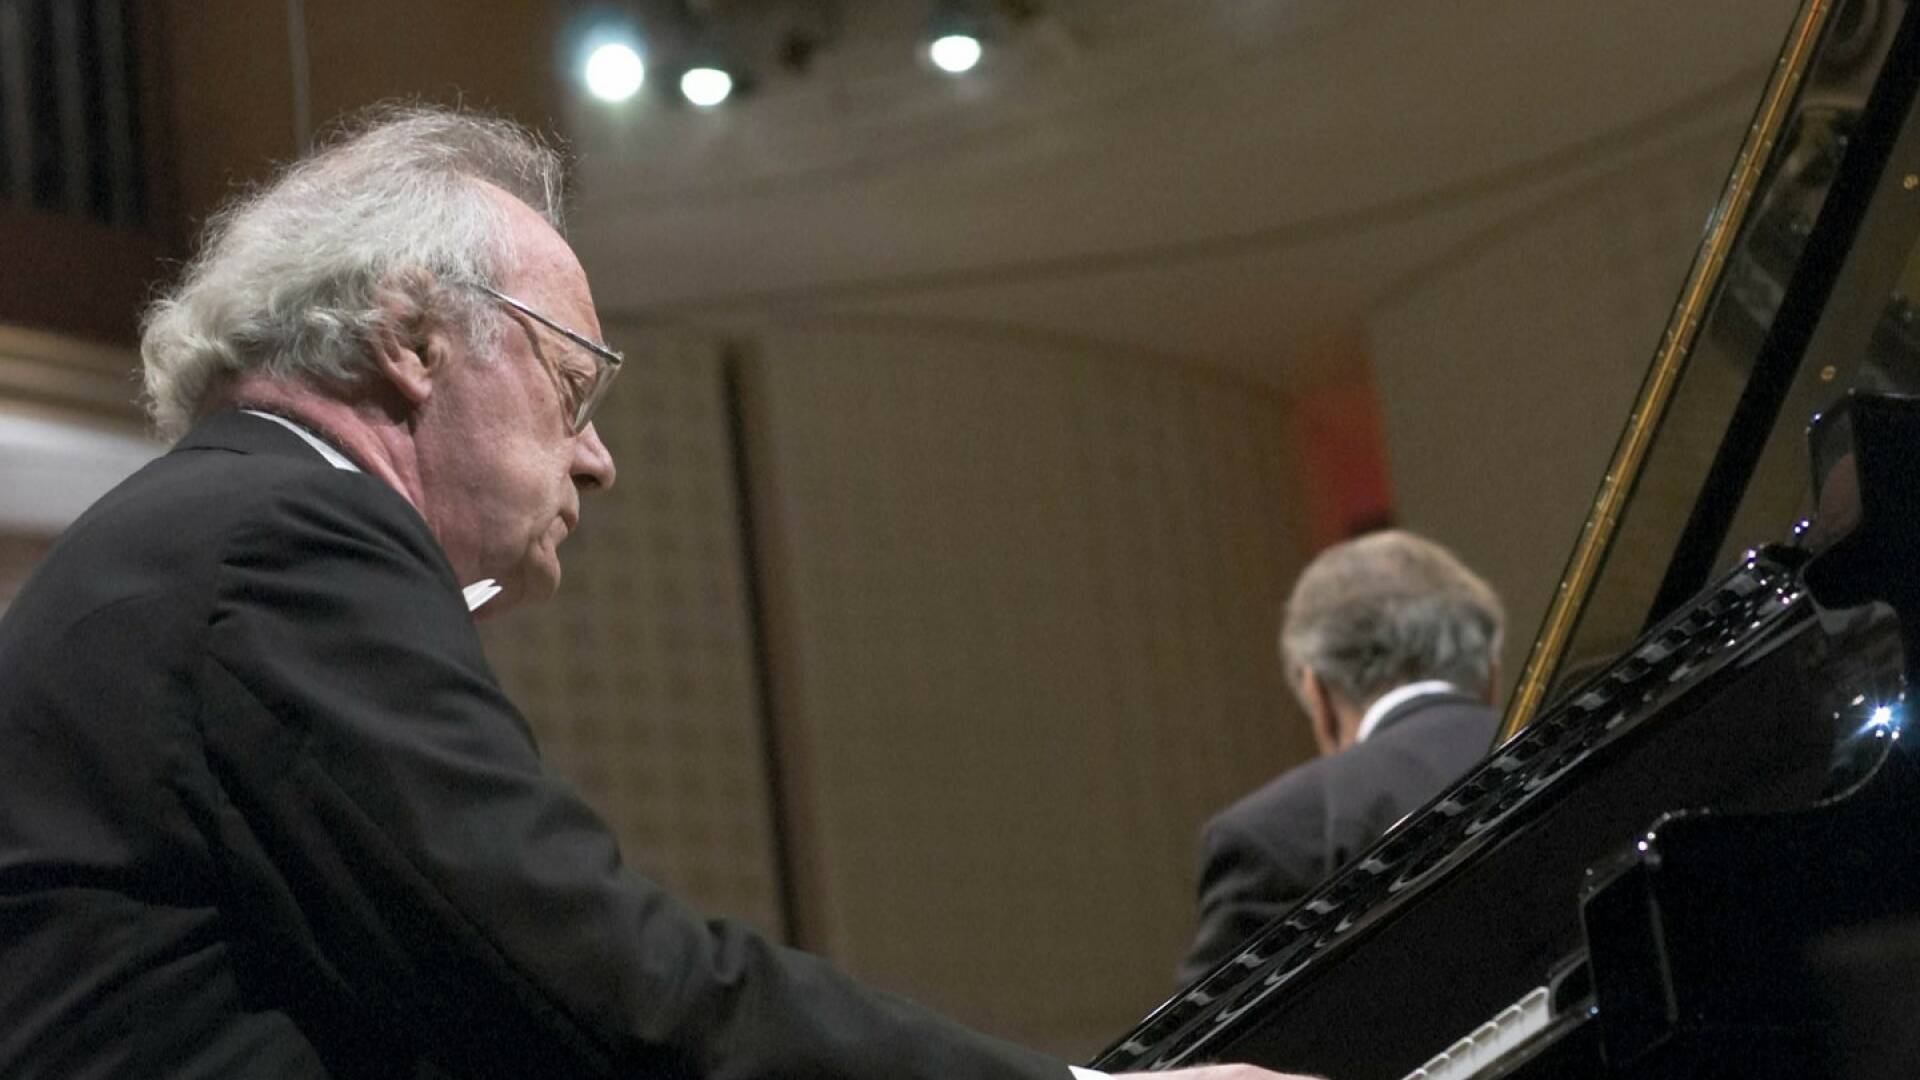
{"x": 585, "y": 393}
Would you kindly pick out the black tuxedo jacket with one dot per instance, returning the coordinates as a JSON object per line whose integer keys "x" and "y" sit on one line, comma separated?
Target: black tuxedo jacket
{"x": 1263, "y": 853}
{"x": 265, "y": 812}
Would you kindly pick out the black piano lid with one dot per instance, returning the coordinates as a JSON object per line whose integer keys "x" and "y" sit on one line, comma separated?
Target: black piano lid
{"x": 1807, "y": 285}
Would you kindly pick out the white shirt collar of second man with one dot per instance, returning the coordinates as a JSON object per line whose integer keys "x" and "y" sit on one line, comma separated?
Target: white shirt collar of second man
{"x": 1397, "y": 697}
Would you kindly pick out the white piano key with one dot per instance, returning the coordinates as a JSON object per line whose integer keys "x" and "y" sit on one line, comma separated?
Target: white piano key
{"x": 1491, "y": 1042}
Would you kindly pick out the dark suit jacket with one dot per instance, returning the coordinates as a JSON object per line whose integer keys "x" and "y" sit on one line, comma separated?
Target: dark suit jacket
{"x": 265, "y": 812}
{"x": 1263, "y": 853}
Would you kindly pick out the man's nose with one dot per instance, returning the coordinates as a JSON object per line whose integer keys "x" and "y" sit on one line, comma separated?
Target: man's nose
{"x": 593, "y": 468}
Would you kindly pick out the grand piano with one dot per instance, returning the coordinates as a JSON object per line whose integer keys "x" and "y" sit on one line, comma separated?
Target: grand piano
{"x": 1689, "y": 854}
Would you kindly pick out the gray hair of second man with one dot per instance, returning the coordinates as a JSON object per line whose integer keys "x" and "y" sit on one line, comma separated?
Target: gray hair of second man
{"x": 296, "y": 279}
{"x": 1387, "y": 609}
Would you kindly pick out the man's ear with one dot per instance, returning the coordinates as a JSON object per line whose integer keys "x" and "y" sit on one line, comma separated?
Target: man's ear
{"x": 408, "y": 352}
{"x": 1321, "y": 715}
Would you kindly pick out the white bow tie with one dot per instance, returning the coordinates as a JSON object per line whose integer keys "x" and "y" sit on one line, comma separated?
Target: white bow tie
{"x": 479, "y": 593}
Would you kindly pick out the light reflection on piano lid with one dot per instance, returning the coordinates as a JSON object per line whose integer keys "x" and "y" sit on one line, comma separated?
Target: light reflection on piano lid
{"x": 1810, "y": 301}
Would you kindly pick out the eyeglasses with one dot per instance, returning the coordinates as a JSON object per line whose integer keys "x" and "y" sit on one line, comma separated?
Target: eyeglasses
{"x": 584, "y": 392}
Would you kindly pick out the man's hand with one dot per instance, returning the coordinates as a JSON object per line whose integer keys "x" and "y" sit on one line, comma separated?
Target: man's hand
{"x": 1222, "y": 1073}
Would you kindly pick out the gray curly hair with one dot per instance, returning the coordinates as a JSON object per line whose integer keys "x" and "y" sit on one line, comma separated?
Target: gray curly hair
{"x": 1388, "y": 609}
{"x": 290, "y": 279}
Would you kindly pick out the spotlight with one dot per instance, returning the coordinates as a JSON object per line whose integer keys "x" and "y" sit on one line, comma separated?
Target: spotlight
{"x": 706, "y": 86}
{"x": 956, "y": 35}
{"x": 955, "y": 54}
{"x": 614, "y": 72}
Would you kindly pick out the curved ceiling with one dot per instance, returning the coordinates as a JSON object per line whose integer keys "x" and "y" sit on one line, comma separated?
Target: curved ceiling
{"x": 1216, "y": 181}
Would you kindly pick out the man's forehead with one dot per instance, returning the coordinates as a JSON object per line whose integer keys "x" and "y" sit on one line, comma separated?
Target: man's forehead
{"x": 543, "y": 265}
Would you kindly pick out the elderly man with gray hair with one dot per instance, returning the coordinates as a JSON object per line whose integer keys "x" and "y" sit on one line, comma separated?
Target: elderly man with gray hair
{"x": 264, "y": 809}
{"x": 1391, "y": 646}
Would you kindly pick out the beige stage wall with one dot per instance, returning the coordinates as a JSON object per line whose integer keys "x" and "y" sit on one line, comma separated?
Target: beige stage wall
{"x": 1020, "y": 605}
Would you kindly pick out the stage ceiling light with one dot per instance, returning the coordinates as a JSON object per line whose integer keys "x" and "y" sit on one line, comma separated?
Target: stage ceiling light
{"x": 614, "y": 72}
{"x": 955, "y": 54}
{"x": 706, "y": 86}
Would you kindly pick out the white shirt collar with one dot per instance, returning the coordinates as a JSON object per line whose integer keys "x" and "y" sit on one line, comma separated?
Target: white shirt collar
{"x": 334, "y": 457}
{"x": 1397, "y": 697}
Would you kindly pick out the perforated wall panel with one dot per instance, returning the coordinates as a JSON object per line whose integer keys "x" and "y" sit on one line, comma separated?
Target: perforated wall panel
{"x": 1031, "y": 598}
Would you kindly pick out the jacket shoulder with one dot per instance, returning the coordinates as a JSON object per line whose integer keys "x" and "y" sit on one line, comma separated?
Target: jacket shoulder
{"x": 1296, "y": 799}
